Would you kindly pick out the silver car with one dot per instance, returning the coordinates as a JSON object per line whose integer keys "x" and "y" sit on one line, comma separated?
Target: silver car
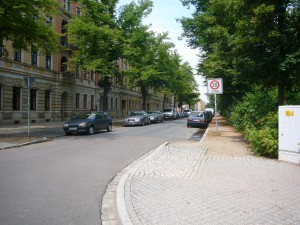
{"x": 137, "y": 118}
{"x": 156, "y": 116}
{"x": 197, "y": 119}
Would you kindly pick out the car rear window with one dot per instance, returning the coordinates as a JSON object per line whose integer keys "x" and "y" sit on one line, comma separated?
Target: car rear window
{"x": 197, "y": 114}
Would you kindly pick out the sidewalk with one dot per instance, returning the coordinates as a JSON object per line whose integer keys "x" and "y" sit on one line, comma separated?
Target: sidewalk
{"x": 214, "y": 181}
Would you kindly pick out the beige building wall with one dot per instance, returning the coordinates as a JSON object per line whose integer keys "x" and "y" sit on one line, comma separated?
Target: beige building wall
{"x": 65, "y": 92}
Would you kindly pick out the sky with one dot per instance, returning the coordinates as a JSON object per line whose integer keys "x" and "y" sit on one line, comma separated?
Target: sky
{"x": 163, "y": 19}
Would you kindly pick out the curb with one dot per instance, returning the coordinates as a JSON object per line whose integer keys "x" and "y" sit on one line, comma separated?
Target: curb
{"x": 9, "y": 145}
{"x": 113, "y": 207}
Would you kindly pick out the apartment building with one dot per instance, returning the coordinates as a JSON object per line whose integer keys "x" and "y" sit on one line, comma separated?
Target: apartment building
{"x": 57, "y": 93}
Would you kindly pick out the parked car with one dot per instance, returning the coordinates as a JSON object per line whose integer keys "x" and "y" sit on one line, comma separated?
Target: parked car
{"x": 209, "y": 116}
{"x": 156, "y": 116}
{"x": 187, "y": 112}
{"x": 197, "y": 119}
{"x": 180, "y": 115}
{"x": 88, "y": 122}
{"x": 211, "y": 110}
{"x": 170, "y": 113}
{"x": 137, "y": 118}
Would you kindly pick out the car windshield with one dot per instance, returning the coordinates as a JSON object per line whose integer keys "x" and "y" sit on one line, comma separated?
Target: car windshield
{"x": 152, "y": 113}
{"x": 167, "y": 110}
{"x": 196, "y": 114}
{"x": 135, "y": 114}
{"x": 85, "y": 115}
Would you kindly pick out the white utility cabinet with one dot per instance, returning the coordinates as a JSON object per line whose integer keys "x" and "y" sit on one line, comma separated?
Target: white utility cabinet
{"x": 289, "y": 133}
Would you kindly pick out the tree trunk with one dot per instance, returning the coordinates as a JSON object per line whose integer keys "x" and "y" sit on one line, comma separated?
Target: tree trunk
{"x": 164, "y": 101}
{"x": 144, "y": 95}
{"x": 106, "y": 85}
{"x": 105, "y": 99}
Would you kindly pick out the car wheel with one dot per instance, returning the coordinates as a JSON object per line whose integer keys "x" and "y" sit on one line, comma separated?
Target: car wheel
{"x": 109, "y": 128}
{"x": 91, "y": 130}
{"x": 67, "y": 133}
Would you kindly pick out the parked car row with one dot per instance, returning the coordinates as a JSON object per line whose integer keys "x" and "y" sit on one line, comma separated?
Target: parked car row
{"x": 172, "y": 114}
{"x": 91, "y": 121}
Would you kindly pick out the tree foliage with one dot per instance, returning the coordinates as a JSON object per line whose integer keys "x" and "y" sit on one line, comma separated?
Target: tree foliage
{"x": 98, "y": 41}
{"x": 246, "y": 43}
{"x": 154, "y": 64}
{"x": 24, "y": 23}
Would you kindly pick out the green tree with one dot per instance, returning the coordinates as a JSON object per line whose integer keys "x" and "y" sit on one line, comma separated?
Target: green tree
{"x": 154, "y": 65}
{"x": 247, "y": 42}
{"x": 186, "y": 90}
{"x": 98, "y": 41}
{"x": 140, "y": 47}
{"x": 24, "y": 23}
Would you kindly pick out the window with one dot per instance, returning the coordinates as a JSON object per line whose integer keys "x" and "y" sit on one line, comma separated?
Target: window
{"x": 33, "y": 99}
{"x": 116, "y": 107}
{"x": 16, "y": 98}
{"x": 17, "y": 55}
{"x": 111, "y": 103}
{"x": 92, "y": 75}
{"x": 78, "y": 10}
{"x": 77, "y": 72}
{"x": 33, "y": 56}
{"x": 49, "y": 21}
{"x": 64, "y": 64}
{"x": 85, "y": 101}
{"x": 1, "y": 94}
{"x": 92, "y": 102}
{"x": 64, "y": 37}
{"x": 77, "y": 101}
{"x": 47, "y": 100}
{"x": 48, "y": 61}
{"x": 1, "y": 50}
{"x": 85, "y": 75}
{"x": 66, "y": 5}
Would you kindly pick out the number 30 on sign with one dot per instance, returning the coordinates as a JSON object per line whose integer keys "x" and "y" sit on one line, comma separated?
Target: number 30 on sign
{"x": 215, "y": 86}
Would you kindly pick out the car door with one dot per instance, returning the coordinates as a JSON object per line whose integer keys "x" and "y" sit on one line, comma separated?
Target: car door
{"x": 105, "y": 121}
{"x": 98, "y": 122}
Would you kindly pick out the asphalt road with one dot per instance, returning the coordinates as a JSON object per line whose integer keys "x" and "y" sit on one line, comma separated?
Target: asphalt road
{"x": 62, "y": 181}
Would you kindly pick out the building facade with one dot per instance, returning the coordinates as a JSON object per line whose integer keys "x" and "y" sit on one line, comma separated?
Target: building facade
{"x": 57, "y": 93}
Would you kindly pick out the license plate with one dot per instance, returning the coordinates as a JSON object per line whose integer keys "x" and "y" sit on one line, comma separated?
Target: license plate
{"x": 72, "y": 128}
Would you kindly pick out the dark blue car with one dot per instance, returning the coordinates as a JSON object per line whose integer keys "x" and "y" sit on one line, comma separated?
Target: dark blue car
{"x": 88, "y": 122}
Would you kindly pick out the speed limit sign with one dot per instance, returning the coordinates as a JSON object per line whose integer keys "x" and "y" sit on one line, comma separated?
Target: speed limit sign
{"x": 215, "y": 86}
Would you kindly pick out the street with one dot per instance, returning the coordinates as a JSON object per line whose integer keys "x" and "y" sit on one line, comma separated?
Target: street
{"x": 62, "y": 181}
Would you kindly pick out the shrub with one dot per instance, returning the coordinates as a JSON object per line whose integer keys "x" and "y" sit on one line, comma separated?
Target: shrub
{"x": 256, "y": 116}
{"x": 264, "y": 139}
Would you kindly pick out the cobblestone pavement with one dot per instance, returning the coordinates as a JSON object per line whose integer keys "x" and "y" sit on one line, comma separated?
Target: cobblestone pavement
{"x": 180, "y": 185}
{"x": 214, "y": 181}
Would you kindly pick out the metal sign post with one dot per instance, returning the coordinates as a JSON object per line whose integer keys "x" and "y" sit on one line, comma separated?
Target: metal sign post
{"x": 215, "y": 86}
{"x": 28, "y": 81}
{"x": 216, "y": 115}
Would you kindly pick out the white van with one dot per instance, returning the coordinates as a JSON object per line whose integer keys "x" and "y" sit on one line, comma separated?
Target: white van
{"x": 170, "y": 113}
